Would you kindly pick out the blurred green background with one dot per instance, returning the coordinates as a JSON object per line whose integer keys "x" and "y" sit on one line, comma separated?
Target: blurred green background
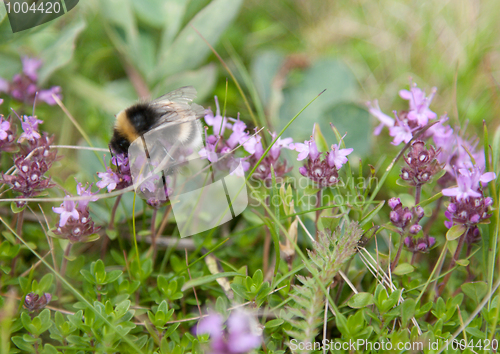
{"x": 106, "y": 54}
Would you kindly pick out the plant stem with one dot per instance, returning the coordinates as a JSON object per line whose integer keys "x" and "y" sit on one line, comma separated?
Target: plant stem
{"x": 434, "y": 216}
{"x": 111, "y": 226}
{"x": 153, "y": 232}
{"x": 63, "y": 266}
{"x": 318, "y": 212}
{"x": 418, "y": 192}
{"x": 267, "y": 248}
{"x": 460, "y": 245}
{"x": 398, "y": 254}
{"x": 19, "y": 230}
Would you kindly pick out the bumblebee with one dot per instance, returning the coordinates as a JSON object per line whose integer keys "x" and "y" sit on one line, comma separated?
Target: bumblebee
{"x": 173, "y": 113}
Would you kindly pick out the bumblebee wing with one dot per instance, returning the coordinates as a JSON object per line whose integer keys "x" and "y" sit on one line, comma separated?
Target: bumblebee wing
{"x": 183, "y": 95}
{"x": 176, "y": 106}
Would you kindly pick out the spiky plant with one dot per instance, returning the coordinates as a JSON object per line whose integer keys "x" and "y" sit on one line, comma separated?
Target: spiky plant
{"x": 330, "y": 252}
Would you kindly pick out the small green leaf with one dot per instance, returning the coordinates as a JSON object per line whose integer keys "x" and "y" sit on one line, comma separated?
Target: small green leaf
{"x": 403, "y": 268}
{"x": 320, "y": 140}
{"x": 476, "y": 332}
{"x": 113, "y": 275}
{"x": 45, "y": 282}
{"x": 463, "y": 262}
{"x": 99, "y": 272}
{"x": 407, "y": 310}
{"x": 15, "y": 209}
{"x": 21, "y": 344}
{"x": 476, "y": 290}
{"x": 360, "y": 300}
{"x": 455, "y": 232}
{"x": 274, "y": 323}
{"x": 87, "y": 276}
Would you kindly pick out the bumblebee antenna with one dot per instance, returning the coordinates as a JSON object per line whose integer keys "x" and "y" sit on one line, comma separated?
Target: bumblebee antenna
{"x": 113, "y": 156}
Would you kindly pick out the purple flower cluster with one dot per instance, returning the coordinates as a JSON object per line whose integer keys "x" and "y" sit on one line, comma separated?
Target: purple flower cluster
{"x": 460, "y": 157}
{"x": 407, "y": 219}
{"x": 241, "y": 335}
{"x": 32, "y": 162}
{"x": 421, "y": 164}
{"x": 280, "y": 166}
{"x": 75, "y": 223}
{"x": 321, "y": 168}
{"x": 215, "y": 144}
{"x": 422, "y": 244}
{"x": 468, "y": 206}
{"x": 469, "y": 184}
{"x": 24, "y": 86}
{"x": 33, "y": 302}
{"x": 456, "y": 152}
{"x": 407, "y": 122}
{"x": 118, "y": 179}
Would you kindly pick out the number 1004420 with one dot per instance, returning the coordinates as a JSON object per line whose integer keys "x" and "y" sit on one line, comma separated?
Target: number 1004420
{"x": 25, "y": 7}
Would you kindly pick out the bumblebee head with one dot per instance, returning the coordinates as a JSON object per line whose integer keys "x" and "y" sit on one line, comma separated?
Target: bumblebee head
{"x": 118, "y": 143}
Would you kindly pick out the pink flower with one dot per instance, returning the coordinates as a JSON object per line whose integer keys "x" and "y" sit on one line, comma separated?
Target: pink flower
{"x": 253, "y": 145}
{"x": 46, "y": 95}
{"x": 384, "y": 119}
{"x": 241, "y": 335}
{"x": 465, "y": 187}
{"x": 109, "y": 179}
{"x": 337, "y": 157}
{"x": 279, "y": 144}
{"x": 30, "y": 129}
{"x": 209, "y": 150}
{"x": 66, "y": 210}
{"x": 85, "y": 191}
{"x": 303, "y": 149}
{"x": 4, "y": 127}
{"x": 477, "y": 177}
{"x": 401, "y": 132}
{"x": 30, "y": 67}
{"x": 4, "y": 85}
{"x": 419, "y": 104}
{"x": 216, "y": 121}
{"x": 239, "y": 135}
{"x": 309, "y": 148}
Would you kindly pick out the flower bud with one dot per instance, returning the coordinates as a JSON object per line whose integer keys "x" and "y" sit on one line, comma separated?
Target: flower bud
{"x": 34, "y": 302}
{"x": 422, "y": 246}
{"x": 420, "y": 212}
{"x": 407, "y": 241}
{"x": 475, "y": 218}
{"x": 394, "y": 202}
{"x": 488, "y": 201}
{"x": 432, "y": 241}
{"x": 415, "y": 229}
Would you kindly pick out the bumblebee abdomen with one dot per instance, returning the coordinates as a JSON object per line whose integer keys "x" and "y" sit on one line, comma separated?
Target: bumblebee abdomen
{"x": 142, "y": 117}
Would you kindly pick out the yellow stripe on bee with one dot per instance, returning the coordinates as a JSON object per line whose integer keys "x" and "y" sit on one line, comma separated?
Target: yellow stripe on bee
{"x": 124, "y": 126}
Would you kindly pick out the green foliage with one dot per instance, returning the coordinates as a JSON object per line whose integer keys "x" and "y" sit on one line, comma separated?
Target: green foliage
{"x": 329, "y": 254}
{"x": 108, "y": 297}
